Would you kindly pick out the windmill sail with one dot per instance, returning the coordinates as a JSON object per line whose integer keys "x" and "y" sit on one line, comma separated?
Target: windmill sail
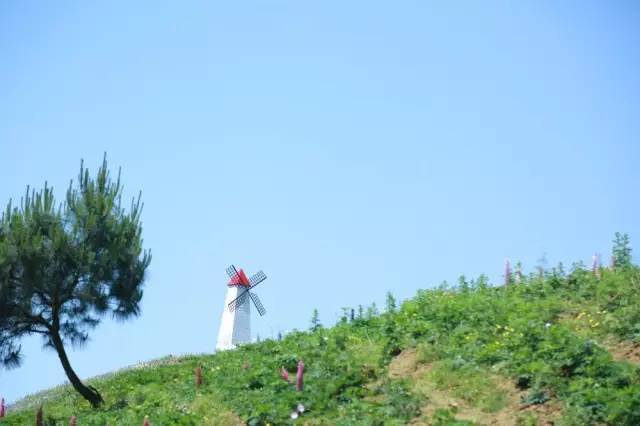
{"x": 238, "y": 301}
{"x": 256, "y": 301}
{"x": 257, "y": 278}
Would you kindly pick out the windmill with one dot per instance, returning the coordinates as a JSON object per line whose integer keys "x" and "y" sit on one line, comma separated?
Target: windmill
{"x": 235, "y": 325}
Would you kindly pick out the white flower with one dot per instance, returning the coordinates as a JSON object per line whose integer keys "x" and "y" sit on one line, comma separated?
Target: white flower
{"x": 300, "y": 408}
{"x": 547, "y": 325}
{"x": 294, "y": 415}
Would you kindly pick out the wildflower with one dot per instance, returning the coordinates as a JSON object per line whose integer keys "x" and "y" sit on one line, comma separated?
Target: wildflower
{"x": 299, "y": 376}
{"x": 547, "y": 325}
{"x": 507, "y": 272}
{"x": 596, "y": 265}
{"x": 1, "y": 408}
{"x": 300, "y": 408}
{"x": 146, "y": 421}
{"x": 284, "y": 374}
{"x": 73, "y": 421}
{"x": 294, "y": 415}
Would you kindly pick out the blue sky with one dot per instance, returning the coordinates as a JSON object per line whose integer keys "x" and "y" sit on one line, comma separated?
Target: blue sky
{"x": 345, "y": 149}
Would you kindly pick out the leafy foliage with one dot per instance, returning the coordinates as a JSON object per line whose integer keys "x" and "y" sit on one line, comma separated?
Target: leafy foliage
{"x": 315, "y": 321}
{"x": 622, "y": 250}
{"x": 546, "y": 336}
{"x": 63, "y": 267}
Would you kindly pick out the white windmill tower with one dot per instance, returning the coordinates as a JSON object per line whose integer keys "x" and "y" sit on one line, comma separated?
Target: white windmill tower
{"x": 235, "y": 325}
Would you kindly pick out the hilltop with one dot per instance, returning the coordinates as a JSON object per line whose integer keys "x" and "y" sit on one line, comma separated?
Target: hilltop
{"x": 555, "y": 348}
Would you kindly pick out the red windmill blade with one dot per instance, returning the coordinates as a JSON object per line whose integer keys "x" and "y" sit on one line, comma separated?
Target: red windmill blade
{"x": 238, "y": 278}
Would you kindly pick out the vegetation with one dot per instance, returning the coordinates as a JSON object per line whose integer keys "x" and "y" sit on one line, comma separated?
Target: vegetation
{"x": 62, "y": 268}
{"x": 315, "y": 321}
{"x": 545, "y": 349}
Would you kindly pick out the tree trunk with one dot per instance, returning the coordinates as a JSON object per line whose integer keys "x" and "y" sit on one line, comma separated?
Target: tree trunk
{"x": 88, "y": 392}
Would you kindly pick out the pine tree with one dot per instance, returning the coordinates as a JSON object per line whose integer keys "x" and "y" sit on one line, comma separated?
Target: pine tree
{"x": 315, "y": 321}
{"x": 63, "y": 268}
{"x": 390, "y": 302}
{"x": 344, "y": 318}
{"x": 372, "y": 311}
{"x": 621, "y": 250}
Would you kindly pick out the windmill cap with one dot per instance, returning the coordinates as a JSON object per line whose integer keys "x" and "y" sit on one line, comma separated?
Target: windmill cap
{"x": 239, "y": 279}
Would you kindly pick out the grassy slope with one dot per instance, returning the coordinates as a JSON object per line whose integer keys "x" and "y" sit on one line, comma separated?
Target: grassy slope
{"x": 538, "y": 351}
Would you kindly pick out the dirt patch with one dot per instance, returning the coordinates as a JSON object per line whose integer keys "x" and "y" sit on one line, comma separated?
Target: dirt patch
{"x": 547, "y": 414}
{"x": 406, "y": 365}
{"x": 625, "y": 351}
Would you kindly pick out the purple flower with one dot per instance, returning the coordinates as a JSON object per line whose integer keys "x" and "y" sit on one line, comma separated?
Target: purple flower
{"x": 299, "y": 376}
{"x": 596, "y": 265}
{"x": 284, "y": 374}
{"x": 507, "y": 272}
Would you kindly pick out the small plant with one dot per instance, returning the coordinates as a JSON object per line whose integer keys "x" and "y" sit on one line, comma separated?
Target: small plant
{"x": 535, "y": 397}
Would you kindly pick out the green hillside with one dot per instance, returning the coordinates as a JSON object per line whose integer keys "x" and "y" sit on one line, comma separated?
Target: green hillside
{"x": 557, "y": 347}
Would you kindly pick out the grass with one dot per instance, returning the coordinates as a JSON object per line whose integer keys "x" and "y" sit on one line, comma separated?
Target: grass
{"x": 468, "y": 354}
{"x": 468, "y": 383}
